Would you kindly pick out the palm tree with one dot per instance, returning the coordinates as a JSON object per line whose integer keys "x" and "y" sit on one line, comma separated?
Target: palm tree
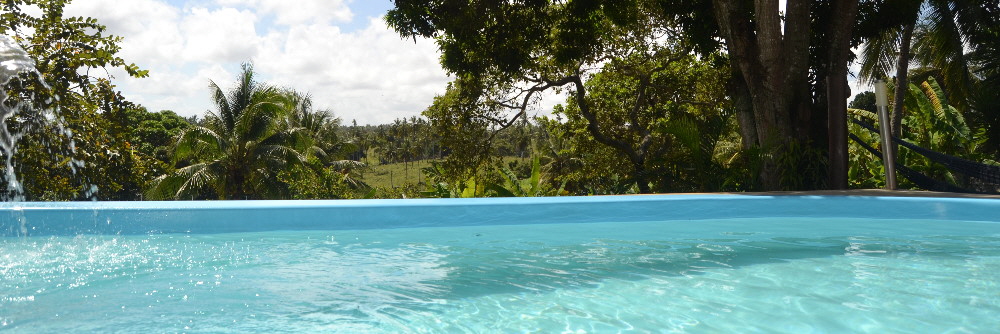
{"x": 933, "y": 32}
{"x": 239, "y": 150}
{"x": 320, "y": 126}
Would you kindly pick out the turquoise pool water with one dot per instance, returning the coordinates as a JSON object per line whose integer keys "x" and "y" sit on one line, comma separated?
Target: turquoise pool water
{"x": 936, "y": 269}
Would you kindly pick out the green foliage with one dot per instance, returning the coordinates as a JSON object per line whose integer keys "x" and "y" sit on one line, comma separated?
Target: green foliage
{"x": 516, "y": 30}
{"x": 314, "y": 181}
{"x": 986, "y": 117}
{"x": 865, "y": 171}
{"x": 533, "y": 186}
{"x": 864, "y": 101}
{"x": 154, "y": 131}
{"x": 802, "y": 166}
{"x": 647, "y": 77}
{"x": 930, "y": 122}
{"x": 101, "y": 164}
{"x": 63, "y": 45}
{"x": 239, "y": 151}
{"x": 506, "y": 183}
{"x": 561, "y": 162}
{"x": 320, "y": 126}
{"x": 660, "y": 117}
{"x": 933, "y": 123}
{"x": 150, "y": 136}
{"x": 460, "y": 120}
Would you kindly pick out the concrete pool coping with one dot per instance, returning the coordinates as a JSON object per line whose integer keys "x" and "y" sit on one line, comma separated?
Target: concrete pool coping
{"x": 72, "y": 218}
{"x": 847, "y": 193}
{"x": 873, "y": 193}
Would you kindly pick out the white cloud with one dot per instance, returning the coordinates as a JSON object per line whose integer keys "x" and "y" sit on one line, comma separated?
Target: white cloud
{"x": 298, "y": 12}
{"x": 222, "y": 35}
{"x": 371, "y": 74}
{"x": 150, "y": 26}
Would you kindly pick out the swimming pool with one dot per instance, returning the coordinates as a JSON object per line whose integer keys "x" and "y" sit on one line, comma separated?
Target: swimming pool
{"x": 694, "y": 263}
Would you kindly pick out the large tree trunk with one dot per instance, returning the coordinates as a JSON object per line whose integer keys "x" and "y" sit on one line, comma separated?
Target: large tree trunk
{"x": 839, "y": 34}
{"x": 744, "y": 108}
{"x": 774, "y": 66}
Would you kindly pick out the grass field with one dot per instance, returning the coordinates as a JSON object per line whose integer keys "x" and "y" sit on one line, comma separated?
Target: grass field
{"x": 399, "y": 174}
{"x": 396, "y": 175}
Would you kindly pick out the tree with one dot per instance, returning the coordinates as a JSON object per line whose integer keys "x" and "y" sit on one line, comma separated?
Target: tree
{"x": 560, "y": 160}
{"x": 74, "y": 123}
{"x": 775, "y": 55}
{"x": 503, "y": 61}
{"x": 865, "y": 101}
{"x": 780, "y": 79}
{"x": 633, "y": 102}
{"x": 459, "y": 119}
{"x": 240, "y": 150}
{"x": 320, "y": 125}
{"x": 986, "y": 101}
{"x": 936, "y": 33}
{"x": 153, "y": 132}
{"x": 890, "y": 47}
{"x": 327, "y": 172}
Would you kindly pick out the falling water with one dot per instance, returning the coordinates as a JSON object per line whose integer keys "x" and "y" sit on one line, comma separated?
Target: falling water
{"x": 13, "y": 61}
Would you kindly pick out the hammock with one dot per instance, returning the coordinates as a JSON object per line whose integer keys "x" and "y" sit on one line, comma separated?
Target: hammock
{"x": 987, "y": 174}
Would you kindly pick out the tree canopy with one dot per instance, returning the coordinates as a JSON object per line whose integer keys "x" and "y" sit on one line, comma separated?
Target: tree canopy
{"x": 789, "y": 66}
{"x": 659, "y": 96}
{"x": 74, "y": 121}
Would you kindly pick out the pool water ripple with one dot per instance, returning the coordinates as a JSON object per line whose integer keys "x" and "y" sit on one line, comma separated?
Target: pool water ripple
{"x": 747, "y": 276}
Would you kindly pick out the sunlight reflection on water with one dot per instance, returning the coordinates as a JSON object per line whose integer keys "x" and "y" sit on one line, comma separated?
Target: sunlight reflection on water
{"x": 570, "y": 277}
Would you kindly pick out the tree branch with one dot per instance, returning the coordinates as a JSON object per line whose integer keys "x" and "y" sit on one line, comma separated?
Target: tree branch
{"x": 592, "y": 124}
{"x": 523, "y": 107}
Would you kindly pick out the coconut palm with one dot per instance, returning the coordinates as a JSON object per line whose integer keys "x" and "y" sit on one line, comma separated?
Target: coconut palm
{"x": 320, "y": 126}
{"x": 239, "y": 150}
{"x": 936, "y": 33}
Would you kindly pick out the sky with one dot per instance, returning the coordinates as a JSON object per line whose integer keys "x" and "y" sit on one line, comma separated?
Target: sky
{"x": 339, "y": 51}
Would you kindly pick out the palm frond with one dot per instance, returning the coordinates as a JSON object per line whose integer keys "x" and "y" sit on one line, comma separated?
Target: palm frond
{"x": 186, "y": 183}
{"x": 279, "y": 155}
{"x": 878, "y": 55}
{"x": 940, "y": 43}
{"x": 242, "y": 95}
{"x": 198, "y": 141}
{"x": 225, "y": 109}
{"x": 863, "y": 113}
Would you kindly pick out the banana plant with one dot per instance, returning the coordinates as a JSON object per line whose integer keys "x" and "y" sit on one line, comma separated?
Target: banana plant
{"x": 509, "y": 186}
{"x": 930, "y": 121}
{"x": 438, "y": 187}
{"x": 530, "y": 187}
